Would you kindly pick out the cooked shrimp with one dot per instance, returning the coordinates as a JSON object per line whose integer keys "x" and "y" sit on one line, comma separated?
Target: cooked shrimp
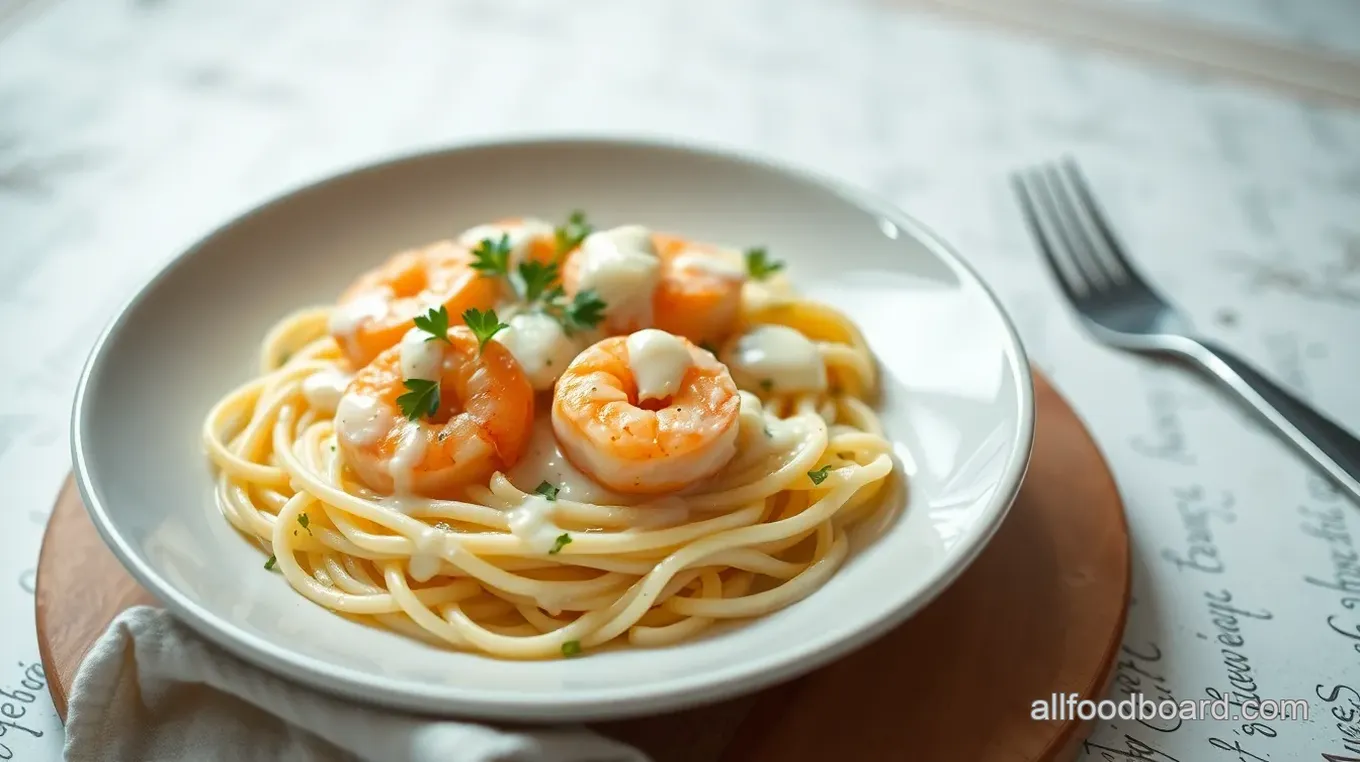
{"x": 699, "y": 296}
{"x": 656, "y": 280}
{"x": 482, "y": 424}
{"x": 621, "y": 266}
{"x": 646, "y": 413}
{"x": 377, "y": 309}
{"x": 530, "y": 239}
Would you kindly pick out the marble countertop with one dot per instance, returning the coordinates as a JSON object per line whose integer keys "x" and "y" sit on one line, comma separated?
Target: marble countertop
{"x": 127, "y": 129}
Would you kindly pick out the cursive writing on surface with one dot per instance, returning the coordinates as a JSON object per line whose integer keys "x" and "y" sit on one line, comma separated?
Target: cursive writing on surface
{"x": 1228, "y": 617}
{"x": 1325, "y": 520}
{"x": 1343, "y": 704}
{"x": 15, "y": 701}
{"x": 1139, "y": 673}
{"x": 1197, "y": 513}
{"x": 1167, "y": 440}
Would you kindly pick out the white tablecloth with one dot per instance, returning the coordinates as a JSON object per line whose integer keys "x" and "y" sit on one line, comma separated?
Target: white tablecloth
{"x": 129, "y": 128}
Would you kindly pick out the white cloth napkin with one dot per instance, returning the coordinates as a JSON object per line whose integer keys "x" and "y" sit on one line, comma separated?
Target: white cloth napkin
{"x": 150, "y": 690}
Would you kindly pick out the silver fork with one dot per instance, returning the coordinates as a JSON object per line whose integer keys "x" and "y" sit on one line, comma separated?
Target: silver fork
{"x": 1120, "y": 309}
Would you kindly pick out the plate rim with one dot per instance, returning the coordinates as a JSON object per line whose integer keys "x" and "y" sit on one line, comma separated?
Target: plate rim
{"x": 596, "y": 704}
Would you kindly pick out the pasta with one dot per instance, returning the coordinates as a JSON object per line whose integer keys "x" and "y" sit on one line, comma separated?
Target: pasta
{"x": 537, "y": 558}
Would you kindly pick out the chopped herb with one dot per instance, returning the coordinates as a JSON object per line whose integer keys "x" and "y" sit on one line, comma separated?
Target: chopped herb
{"x": 571, "y": 234}
{"x": 547, "y": 490}
{"x": 582, "y": 312}
{"x": 484, "y": 325}
{"x": 759, "y": 265}
{"x": 436, "y": 323}
{"x": 563, "y": 540}
{"x": 571, "y": 648}
{"x": 766, "y": 385}
{"x": 535, "y": 278}
{"x": 421, "y": 400}
{"x": 270, "y": 563}
{"x": 303, "y": 521}
{"x": 332, "y": 448}
{"x": 284, "y": 357}
{"x": 819, "y": 475}
{"x": 492, "y": 257}
{"x": 707, "y": 347}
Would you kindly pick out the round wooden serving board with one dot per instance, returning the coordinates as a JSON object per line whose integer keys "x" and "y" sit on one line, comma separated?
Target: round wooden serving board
{"x": 1041, "y": 611}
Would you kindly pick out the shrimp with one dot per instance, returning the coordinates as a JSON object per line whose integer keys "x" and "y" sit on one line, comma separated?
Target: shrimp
{"x": 530, "y": 239}
{"x": 482, "y": 424}
{"x": 699, "y": 296}
{"x": 646, "y": 413}
{"x": 374, "y": 312}
{"x": 657, "y": 280}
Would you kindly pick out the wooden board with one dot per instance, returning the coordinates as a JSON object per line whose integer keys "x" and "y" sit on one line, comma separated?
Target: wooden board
{"x": 1040, "y": 612}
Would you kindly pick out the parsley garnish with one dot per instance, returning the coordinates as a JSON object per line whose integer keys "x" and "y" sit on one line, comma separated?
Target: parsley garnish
{"x": 585, "y": 311}
{"x": 570, "y": 235}
{"x": 421, "y": 400}
{"x": 436, "y": 323}
{"x": 819, "y": 475}
{"x": 547, "y": 490}
{"x": 766, "y": 385}
{"x": 484, "y": 325}
{"x": 759, "y": 265}
{"x": 571, "y": 648}
{"x": 492, "y": 257}
{"x": 563, "y": 540}
{"x": 270, "y": 563}
{"x": 304, "y": 521}
{"x": 535, "y": 278}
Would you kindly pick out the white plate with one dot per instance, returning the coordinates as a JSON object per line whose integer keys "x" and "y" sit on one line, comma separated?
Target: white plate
{"x": 957, "y": 402}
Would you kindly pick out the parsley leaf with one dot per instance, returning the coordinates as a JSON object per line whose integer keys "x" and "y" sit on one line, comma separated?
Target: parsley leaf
{"x": 571, "y": 648}
{"x": 535, "y": 278}
{"x": 270, "y": 563}
{"x": 563, "y": 540}
{"x": 421, "y": 400}
{"x": 304, "y": 521}
{"x": 819, "y": 475}
{"x": 436, "y": 323}
{"x": 484, "y": 325}
{"x": 585, "y": 311}
{"x": 492, "y": 257}
{"x": 759, "y": 265}
{"x": 571, "y": 234}
{"x": 766, "y": 385}
{"x": 547, "y": 490}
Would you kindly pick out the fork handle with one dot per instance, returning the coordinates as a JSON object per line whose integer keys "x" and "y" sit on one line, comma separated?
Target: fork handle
{"x": 1334, "y": 449}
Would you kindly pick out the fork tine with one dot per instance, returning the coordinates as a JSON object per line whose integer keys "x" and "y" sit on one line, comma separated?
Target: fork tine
{"x": 1052, "y": 244}
{"x": 1111, "y": 253}
{"x": 1070, "y": 217}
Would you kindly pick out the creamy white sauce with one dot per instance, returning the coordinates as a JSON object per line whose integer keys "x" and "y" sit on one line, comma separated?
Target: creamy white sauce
{"x": 532, "y": 522}
{"x": 776, "y": 356}
{"x": 409, "y": 454}
{"x": 543, "y": 461}
{"x": 521, "y": 235}
{"x": 324, "y": 389}
{"x": 621, "y": 266}
{"x": 658, "y": 361}
{"x": 426, "y": 557}
{"x": 421, "y": 358}
{"x": 361, "y": 420}
{"x": 346, "y": 318}
{"x": 540, "y": 345}
{"x": 709, "y": 263}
